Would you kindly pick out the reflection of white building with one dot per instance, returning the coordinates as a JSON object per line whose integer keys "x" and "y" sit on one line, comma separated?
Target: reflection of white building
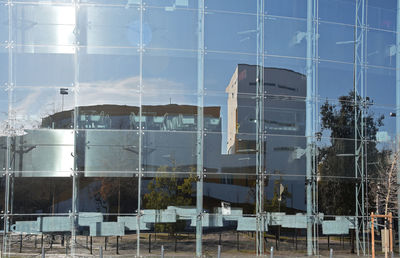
{"x": 284, "y": 106}
{"x": 284, "y": 124}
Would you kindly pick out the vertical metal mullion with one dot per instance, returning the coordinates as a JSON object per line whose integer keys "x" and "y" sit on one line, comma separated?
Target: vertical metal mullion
{"x": 75, "y": 172}
{"x": 397, "y": 140}
{"x": 314, "y": 124}
{"x": 7, "y": 168}
{"x": 359, "y": 110}
{"x": 309, "y": 125}
{"x": 140, "y": 168}
{"x": 200, "y": 129}
{"x": 141, "y": 49}
{"x": 260, "y": 131}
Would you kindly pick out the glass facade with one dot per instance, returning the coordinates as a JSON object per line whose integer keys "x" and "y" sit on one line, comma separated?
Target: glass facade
{"x": 197, "y": 126}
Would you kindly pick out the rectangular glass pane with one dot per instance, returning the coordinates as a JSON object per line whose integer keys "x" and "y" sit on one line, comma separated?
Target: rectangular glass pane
{"x": 336, "y": 158}
{"x": 169, "y": 151}
{"x": 170, "y": 28}
{"x": 334, "y": 80}
{"x": 382, "y": 14}
{"x": 232, "y": 6}
{"x": 338, "y": 11}
{"x": 109, "y": 67}
{"x": 169, "y": 213}
{"x": 108, "y": 108}
{"x": 107, "y": 153}
{"x": 220, "y": 71}
{"x": 171, "y": 4}
{"x": 41, "y": 195}
{"x": 170, "y": 71}
{"x": 4, "y": 19}
{"x": 38, "y": 153}
{"x": 166, "y": 111}
{"x": 108, "y": 195}
{"x": 285, "y": 37}
{"x": 285, "y": 155}
{"x": 336, "y": 42}
{"x": 381, "y": 86}
{"x": 381, "y": 48}
{"x": 38, "y": 107}
{"x": 44, "y": 24}
{"x": 343, "y": 203}
{"x": 288, "y": 8}
{"x": 44, "y": 68}
{"x": 98, "y": 26}
{"x": 231, "y": 32}
{"x": 235, "y": 155}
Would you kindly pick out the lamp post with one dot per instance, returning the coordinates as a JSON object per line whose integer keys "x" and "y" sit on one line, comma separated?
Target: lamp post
{"x": 63, "y": 91}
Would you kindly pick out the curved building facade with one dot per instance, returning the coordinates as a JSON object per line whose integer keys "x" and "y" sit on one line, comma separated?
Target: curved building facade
{"x": 198, "y": 126}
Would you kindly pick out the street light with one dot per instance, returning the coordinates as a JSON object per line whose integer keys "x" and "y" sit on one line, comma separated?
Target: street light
{"x": 63, "y": 91}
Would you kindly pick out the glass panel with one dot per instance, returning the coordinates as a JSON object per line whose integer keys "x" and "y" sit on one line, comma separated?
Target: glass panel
{"x": 340, "y": 11}
{"x": 336, "y": 42}
{"x": 3, "y": 111}
{"x": 41, "y": 195}
{"x": 231, "y": 32}
{"x": 170, "y": 28}
{"x": 107, "y": 211}
{"x": 43, "y": 24}
{"x": 169, "y": 213}
{"x": 285, "y": 155}
{"x": 108, "y": 153}
{"x": 113, "y": 107}
{"x": 285, "y": 194}
{"x": 165, "y": 111}
{"x": 4, "y": 64}
{"x": 285, "y": 37}
{"x": 343, "y": 191}
{"x": 336, "y": 157}
{"x": 220, "y": 71}
{"x": 232, "y": 6}
{"x": 130, "y": 3}
{"x": 237, "y": 112}
{"x": 337, "y": 118}
{"x": 237, "y": 155}
{"x": 289, "y": 8}
{"x": 229, "y": 202}
{"x": 43, "y": 68}
{"x": 109, "y": 68}
{"x": 382, "y": 14}
{"x": 108, "y": 195}
{"x": 99, "y": 26}
{"x": 38, "y": 107}
{"x": 47, "y": 2}
{"x": 171, "y": 71}
{"x": 284, "y": 115}
{"x": 171, "y": 4}
{"x": 334, "y": 80}
{"x": 381, "y": 48}
{"x": 381, "y": 86}
{"x": 3, "y": 24}
{"x": 38, "y": 153}
{"x": 169, "y": 151}
{"x": 277, "y": 68}
{"x": 381, "y": 123}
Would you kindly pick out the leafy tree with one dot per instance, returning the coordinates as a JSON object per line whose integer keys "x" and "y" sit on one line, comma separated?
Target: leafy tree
{"x": 336, "y": 168}
{"x": 120, "y": 194}
{"x": 168, "y": 190}
{"x": 278, "y": 201}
